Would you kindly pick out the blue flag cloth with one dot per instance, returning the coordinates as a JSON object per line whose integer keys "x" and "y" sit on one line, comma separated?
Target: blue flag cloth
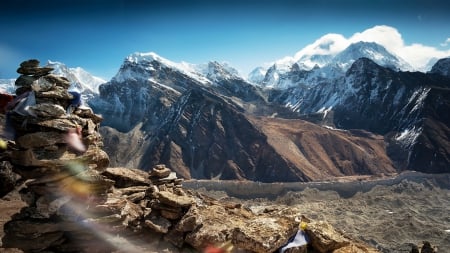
{"x": 298, "y": 240}
{"x": 76, "y": 100}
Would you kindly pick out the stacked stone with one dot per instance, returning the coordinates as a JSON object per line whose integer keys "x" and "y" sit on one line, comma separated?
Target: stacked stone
{"x": 61, "y": 180}
{"x": 169, "y": 202}
{"x": 41, "y": 133}
{"x": 156, "y": 198}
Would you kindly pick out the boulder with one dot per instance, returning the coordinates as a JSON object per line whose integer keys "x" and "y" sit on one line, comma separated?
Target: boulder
{"x": 325, "y": 238}
{"x": 127, "y": 177}
{"x": 24, "y": 80}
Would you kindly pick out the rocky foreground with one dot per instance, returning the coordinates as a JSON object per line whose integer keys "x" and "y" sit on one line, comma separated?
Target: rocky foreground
{"x": 392, "y": 214}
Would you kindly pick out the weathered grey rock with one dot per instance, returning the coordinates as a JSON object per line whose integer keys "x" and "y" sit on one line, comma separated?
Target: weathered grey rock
{"x": 167, "y": 180}
{"x": 55, "y": 93}
{"x": 190, "y": 221}
{"x": 94, "y": 158}
{"x": 263, "y": 234}
{"x": 85, "y": 112}
{"x": 174, "y": 200}
{"x": 217, "y": 224}
{"x": 36, "y": 71}
{"x": 58, "y": 80}
{"x": 127, "y": 177}
{"x": 158, "y": 224}
{"x": 24, "y": 80}
{"x": 132, "y": 214}
{"x": 32, "y": 236}
{"x": 160, "y": 171}
{"x": 47, "y": 110}
{"x": 46, "y": 207}
{"x": 111, "y": 206}
{"x": 168, "y": 212}
{"x": 31, "y": 63}
{"x": 61, "y": 124}
{"x": 130, "y": 190}
{"x": 325, "y": 238}
{"x": 40, "y": 139}
{"x": 136, "y": 197}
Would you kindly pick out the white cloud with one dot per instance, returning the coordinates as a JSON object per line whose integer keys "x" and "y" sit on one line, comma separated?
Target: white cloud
{"x": 446, "y": 42}
{"x": 386, "y": 36}
{"x": 417, "y": 55}
{"x": 331, "y": 43}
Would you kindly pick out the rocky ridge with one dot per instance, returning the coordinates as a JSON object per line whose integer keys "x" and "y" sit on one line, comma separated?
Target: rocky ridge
{"x": 75, "y": 203}
{"x": 407, "y": 108}
{"x": 214, "y": 132}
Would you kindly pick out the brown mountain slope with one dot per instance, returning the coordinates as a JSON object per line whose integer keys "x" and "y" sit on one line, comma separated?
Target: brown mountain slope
{"x": 321, "y": 152}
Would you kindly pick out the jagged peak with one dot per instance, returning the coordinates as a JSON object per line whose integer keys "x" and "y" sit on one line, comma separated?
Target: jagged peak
{"x": 214, "y": 68}
{"x": 373, "y": 51}
{"x": 126, "y": 71}
{"x": 363, "y": 64}
{"x": 256, "y": 76}
{"x": 442, "y": 67}
{"x": 80, "y": 79}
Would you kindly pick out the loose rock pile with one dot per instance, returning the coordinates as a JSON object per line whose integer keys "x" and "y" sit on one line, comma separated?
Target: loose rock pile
{"x": 77, "y": 204}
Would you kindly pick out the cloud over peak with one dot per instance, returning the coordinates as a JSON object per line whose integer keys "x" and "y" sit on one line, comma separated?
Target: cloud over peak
{"x": 417, "y": 55}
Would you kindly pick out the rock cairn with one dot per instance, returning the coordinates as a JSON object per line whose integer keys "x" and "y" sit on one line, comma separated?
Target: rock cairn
{"x": 57, "y": 173}
{"x": 77, "y": 204}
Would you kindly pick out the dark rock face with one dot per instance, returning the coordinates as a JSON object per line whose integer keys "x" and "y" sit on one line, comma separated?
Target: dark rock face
{"x": 407, "y": 107}
{"x": 396, "y": 103}
{"x": 155, "y": 113}
{"x": 206, "y": 131}
{"x": 187, "y": 126}
{"x": 201, "y": 135}
{"x": 215, "y": 140}
{"x": 441, "y": 67}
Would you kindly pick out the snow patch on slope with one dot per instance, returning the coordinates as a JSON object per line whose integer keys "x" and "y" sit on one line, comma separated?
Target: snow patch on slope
{"x": 409, "y": 136}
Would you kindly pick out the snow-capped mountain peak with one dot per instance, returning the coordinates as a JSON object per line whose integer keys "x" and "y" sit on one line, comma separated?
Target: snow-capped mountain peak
{"x": 79, "y": 78}
{"x": 370, "y": 50}
{"x": 216, "y": 71}
{"x": 322, "y": 51}
{"x": 146, "y": 62}
{"x": 257, "y": 75}
{"x": 322, "y": 60}
{"x": 206, "y": 73}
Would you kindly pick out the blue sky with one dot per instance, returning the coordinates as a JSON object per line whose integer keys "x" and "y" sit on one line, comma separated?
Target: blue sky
{"x": 97, "y": 35}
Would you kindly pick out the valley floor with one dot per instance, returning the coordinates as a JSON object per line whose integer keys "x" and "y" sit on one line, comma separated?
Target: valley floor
{"x": 390, "y": 217}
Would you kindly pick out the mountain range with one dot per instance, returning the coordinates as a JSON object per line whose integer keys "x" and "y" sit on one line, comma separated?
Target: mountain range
{"x": 313, "y": 117}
